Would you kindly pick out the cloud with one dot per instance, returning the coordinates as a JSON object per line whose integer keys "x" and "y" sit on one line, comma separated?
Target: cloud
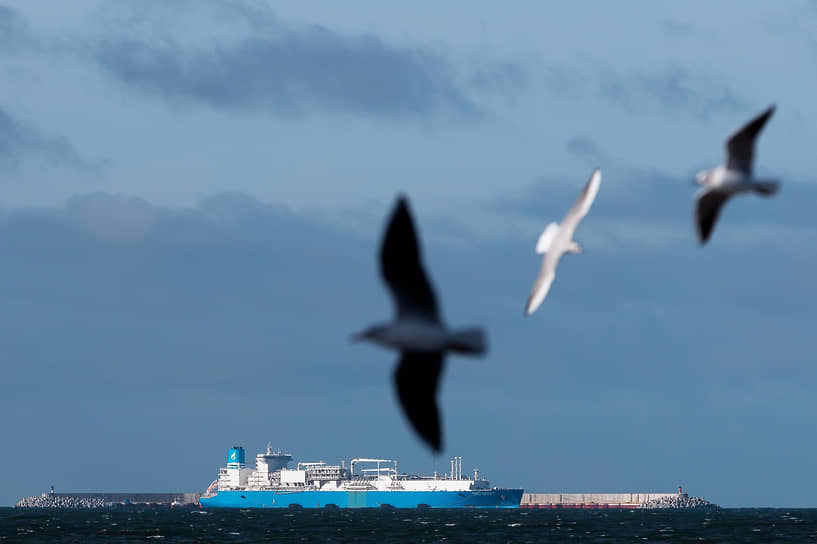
{"x": 669, "y": 89}
{"x": 18, "y": 37}
{"x": 624, "y": 190}
{"x": 639, "y": 205}
{"x": 681, "y": 30}
{"x": 152, "y": 326}
{"x": 231, "y": 258}
{"x": 585, "y": 149}
{"x": 500, "y": 77}
{"x": 235, "y": 278}
{"x": 282, "y": 68}
{"x": 19, "y": 140}
{"x": 673, "y": 89}
{"x": 14, "y": 32}
{"x": 633, "y": 208}
{"x": 111, "y": 217}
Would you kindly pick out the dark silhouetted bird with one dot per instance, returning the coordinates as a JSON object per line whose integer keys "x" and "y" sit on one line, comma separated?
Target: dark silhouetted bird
{"x": 417, "y": 329}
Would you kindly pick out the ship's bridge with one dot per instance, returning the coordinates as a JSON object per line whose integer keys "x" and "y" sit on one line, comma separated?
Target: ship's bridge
{"x": 267, "y": 468}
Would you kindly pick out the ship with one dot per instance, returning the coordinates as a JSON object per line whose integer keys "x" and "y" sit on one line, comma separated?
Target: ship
{"x": 365, "y": 483}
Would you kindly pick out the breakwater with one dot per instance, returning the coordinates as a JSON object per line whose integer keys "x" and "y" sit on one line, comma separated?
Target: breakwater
{"x": 108, "y": 500}
{"x": 613, "y": 500}
{"x": 679, "y": 501}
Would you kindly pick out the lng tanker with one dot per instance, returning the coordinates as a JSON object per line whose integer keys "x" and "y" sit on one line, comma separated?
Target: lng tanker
{"x": 365, "y": 483}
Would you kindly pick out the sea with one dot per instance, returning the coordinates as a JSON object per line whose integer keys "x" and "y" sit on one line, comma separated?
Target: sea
{"x": 133, "y": 524}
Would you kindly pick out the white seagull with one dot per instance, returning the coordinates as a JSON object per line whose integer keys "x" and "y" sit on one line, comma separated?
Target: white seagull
{"x": 417, "y": 330}
{"x": 735, "y": 177}
{"x": 556, "y": 240}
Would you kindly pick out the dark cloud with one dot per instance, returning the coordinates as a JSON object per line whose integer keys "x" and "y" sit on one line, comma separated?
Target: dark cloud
{"x": 286, "y": 69}
{"x": 627, "y": 191}
{"x": 19, "y": 140}
{"x": 675, "y": 89}
{"x": 140, "y": 328}
{"x": 626, "y": 194}
{"x": 652, "y": 200}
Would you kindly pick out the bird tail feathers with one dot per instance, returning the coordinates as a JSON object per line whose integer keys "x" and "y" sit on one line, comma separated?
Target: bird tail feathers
{"x": 546, "y": 238}
{"x": 767, "y": 187}
{"x": 468, "y": 341}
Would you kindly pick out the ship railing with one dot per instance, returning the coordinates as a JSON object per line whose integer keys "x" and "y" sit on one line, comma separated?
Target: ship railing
{"x": 379, "y": 462}
{"x": 361, "y": 486}
{"x": 379, "y": 471}
{"x": 361, "y": 481}
{"x": 306, "y": 465}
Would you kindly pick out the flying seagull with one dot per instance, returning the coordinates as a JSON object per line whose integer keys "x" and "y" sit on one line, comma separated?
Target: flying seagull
{"x": 735, "y": 177}
{"x": 556, "y": 240}
{"x": 417, "y": 330}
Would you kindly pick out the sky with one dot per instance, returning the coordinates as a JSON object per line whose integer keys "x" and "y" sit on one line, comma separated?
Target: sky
{"x": 192, "y": 195}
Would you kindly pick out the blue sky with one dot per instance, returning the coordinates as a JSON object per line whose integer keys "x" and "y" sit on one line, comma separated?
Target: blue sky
{"x": 193, "y": 194}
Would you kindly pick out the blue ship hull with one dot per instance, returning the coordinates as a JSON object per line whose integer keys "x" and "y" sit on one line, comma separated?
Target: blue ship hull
{"x": 491, "y": 498}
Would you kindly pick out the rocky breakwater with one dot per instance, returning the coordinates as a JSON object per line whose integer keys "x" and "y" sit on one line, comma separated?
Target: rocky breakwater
{"x": 59, "y": 501}
{"x": 679, "y": 501}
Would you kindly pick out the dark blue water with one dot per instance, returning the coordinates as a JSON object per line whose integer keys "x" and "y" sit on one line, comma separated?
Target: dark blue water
{"x": 382, "y": 526}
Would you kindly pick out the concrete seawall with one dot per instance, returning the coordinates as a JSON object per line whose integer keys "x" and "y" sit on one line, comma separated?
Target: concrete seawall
{"x": 612, "y": 500}
{"x": 589, "y": 500}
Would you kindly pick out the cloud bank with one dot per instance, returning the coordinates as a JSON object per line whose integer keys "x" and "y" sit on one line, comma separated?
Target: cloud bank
{"x": 19, "y": 140}
{"x": 282, "y": 68}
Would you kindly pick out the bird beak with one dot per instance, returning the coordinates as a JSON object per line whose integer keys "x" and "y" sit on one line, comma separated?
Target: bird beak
{"x": 358, "y": 337}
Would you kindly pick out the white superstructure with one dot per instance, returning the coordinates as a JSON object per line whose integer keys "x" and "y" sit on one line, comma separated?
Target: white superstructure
{"x": 363, "y": 474}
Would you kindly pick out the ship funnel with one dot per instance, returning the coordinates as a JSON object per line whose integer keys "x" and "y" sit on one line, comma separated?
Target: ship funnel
{"x": 235, "y": 456}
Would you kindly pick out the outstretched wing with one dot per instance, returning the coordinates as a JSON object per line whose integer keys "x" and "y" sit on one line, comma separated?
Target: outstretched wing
{"x": 583, "y": 203}
{"x": 541, "y": 286}
{"x": 707, "y": 211}
{"x": 402, "y": 268}
{"x": 416, "y": 379}
{"x": 740, "y": 147}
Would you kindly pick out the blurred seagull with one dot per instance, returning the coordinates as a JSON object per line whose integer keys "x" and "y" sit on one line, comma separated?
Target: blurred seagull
{"x": 724, "y": 181}
{"x": 417, "y": 330}
{"x": 557, "y": 240}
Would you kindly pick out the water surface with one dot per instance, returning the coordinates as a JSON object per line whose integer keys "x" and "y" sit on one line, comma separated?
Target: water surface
{"x": 424, "y": 526}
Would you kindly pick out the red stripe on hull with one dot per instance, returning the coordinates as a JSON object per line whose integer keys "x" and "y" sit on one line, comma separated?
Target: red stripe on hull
{"x": 579, "y": 506}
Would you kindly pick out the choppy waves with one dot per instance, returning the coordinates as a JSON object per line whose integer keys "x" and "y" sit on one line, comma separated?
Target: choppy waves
{"x": 386, "y": 526}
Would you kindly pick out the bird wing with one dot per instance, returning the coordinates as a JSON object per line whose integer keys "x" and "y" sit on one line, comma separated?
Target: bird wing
{"x": 708, "y": 208}
{"x": 582, "y": 205}
{"x": 402, "y": 269}
{"x": 547, "y": 273}
{"x": 740, "y": 147}
{"x": 416, "y": 379}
